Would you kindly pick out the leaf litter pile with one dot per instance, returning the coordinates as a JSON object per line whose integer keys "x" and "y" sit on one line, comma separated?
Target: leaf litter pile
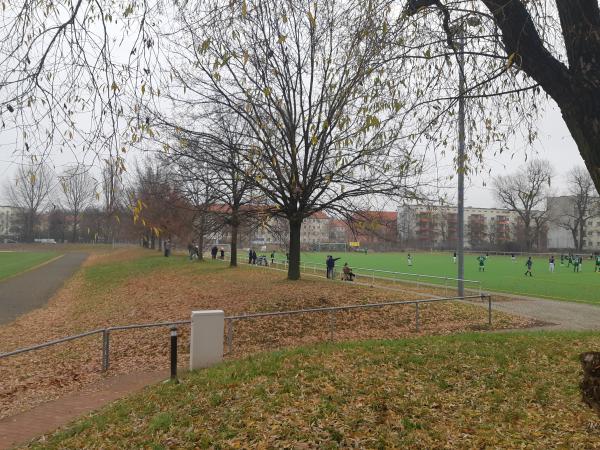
{"x": 473, "y": 390}
{"x": 134, "y": 287}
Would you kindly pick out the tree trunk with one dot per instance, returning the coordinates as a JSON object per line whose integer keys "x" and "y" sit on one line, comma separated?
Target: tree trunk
{"x": 581, "y": 236}
{"x": 233, "y": 244}
{"x": 201, "y": 240}
{"x": 294, "y": 251}
{"x": 75, "y": 223}
{"x": 574, "y": 234}
{"x": 583, "y": 120}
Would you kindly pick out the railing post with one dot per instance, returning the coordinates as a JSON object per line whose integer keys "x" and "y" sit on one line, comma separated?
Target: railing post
{"x": 417, "y": 316}
{"x": 174, "y": 353}
{"x": 229, "y": 335}
{"x": 105, "y": 349}
{"x": 331, "y": 325}
{"x": 489, "y": 310}
{"x": 446, "y": 286}
{"x": 372, "y": 278}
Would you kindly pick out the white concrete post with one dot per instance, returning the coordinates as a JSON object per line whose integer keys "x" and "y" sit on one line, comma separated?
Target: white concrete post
{"x": 206, "y": 341}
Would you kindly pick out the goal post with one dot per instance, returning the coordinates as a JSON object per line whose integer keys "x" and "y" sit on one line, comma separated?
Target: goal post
{"x": 332, "y": 247}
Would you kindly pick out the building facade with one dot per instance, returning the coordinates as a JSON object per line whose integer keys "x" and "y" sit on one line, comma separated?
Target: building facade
{"x": 436, "y": 227}
{"x": 8, "y": 222}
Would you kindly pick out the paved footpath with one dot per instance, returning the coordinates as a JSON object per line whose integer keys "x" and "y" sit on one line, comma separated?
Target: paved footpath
{"x": 46, "y": 418}
{"x": 558, "y": 315}
{"x": 32, "y": 289}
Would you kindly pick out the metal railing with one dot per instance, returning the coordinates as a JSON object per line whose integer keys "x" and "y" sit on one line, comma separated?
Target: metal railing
{"x": 367, "y": 275}
{"x": 230, "y": 320}
{"x": 106, "y": 332}
{"x": 331, "y": 310}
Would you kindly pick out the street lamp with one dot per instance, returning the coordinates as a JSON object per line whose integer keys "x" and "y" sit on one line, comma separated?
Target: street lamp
{"x": 457, "y": 29}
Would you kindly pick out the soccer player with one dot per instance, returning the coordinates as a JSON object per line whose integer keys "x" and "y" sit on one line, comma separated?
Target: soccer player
{"x": 454, "y": 258}
{"x": 481, "y": 260}
{"x": 562, "y": 260}
{"x": 528, "y": 264}
{"x": 409, "y": 260}
{"x": 551, "y": 263}
{"x": 597, "y": 269}
{"x": 576, "y": 263}
{"x": 512, "y": 256}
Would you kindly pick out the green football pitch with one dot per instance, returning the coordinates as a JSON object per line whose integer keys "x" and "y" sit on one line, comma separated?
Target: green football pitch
{"x": 12, "y": 263}
{"x": 501, "y": 274}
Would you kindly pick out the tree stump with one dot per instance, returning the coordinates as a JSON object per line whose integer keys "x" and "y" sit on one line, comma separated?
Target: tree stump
{"x": 590, "y": 386}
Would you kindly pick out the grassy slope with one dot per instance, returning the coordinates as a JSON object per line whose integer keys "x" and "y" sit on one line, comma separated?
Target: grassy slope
{"x": 501, "y": 274}
{"x": 461, "y": 391}
{"x": 12, "y": 263}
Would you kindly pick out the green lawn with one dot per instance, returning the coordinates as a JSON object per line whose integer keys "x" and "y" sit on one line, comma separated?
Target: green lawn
{"x": 12, "y": 263}
{"x": 517, "y": 390}
{"x": 501, "y": 274}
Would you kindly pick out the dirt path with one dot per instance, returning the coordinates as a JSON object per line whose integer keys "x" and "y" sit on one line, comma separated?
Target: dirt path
{"x": 32, "y": 289}
{"x": 560, "y": 315}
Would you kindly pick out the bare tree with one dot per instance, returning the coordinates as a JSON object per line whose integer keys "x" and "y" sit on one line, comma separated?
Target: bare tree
{"x": 218, "y": 160}
{"x": 79, "y": 189}
{"x": 585, "y": 205}
{"x": 30, "y": 192}
{"x": 315, "y": 87}
{"x": 525, "y": 192}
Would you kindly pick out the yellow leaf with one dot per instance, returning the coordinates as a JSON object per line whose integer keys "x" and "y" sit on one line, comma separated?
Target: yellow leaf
{"x": 244, "y": 8}
{"x": 281, "y": 39}
{"x": 511, "y": 60}
{"x": 314, "y": 139}
{"x": 267, "y": 91}
{"x": 114, "y": 86}
{"x": 143, "y": 88}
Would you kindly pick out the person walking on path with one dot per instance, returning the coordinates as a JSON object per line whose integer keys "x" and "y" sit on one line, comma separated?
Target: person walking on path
{"x": 529, "y": 264}
{"x": 213, "y": 252}
{"x": 272, "y": 258}
{"x": 222, "y": 254}
{"x": 551, "y": 263}
{"x": 254, "y": 257}
{"x": 250, "y": 256}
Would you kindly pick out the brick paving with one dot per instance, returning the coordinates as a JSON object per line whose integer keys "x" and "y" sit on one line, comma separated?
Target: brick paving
{"x": 23, "y": 427}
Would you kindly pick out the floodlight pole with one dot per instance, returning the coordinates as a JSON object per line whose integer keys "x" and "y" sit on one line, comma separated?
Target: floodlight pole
{"x": 461, "y": 164}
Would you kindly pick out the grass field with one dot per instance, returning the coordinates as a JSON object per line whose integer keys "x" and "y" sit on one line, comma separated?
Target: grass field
{"x": 517, "y": 390}
{"x": 501, "y": 274}
{"x": 132, "y": 286}
{"x": 12, "y": 263}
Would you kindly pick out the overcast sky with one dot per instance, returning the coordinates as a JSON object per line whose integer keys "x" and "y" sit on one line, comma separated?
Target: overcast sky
{"x": 554, "y": 143}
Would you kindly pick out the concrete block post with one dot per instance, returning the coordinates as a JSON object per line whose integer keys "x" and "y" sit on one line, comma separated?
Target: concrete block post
{"x": 206, "y": 341}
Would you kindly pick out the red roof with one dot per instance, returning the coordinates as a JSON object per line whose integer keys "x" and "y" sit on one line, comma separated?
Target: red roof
{"x": 319, "y": 215}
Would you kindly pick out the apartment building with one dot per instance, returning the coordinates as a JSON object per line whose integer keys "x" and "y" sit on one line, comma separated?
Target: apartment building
{"x": 425, "y": 226}
{"x": 8, "y": 222}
